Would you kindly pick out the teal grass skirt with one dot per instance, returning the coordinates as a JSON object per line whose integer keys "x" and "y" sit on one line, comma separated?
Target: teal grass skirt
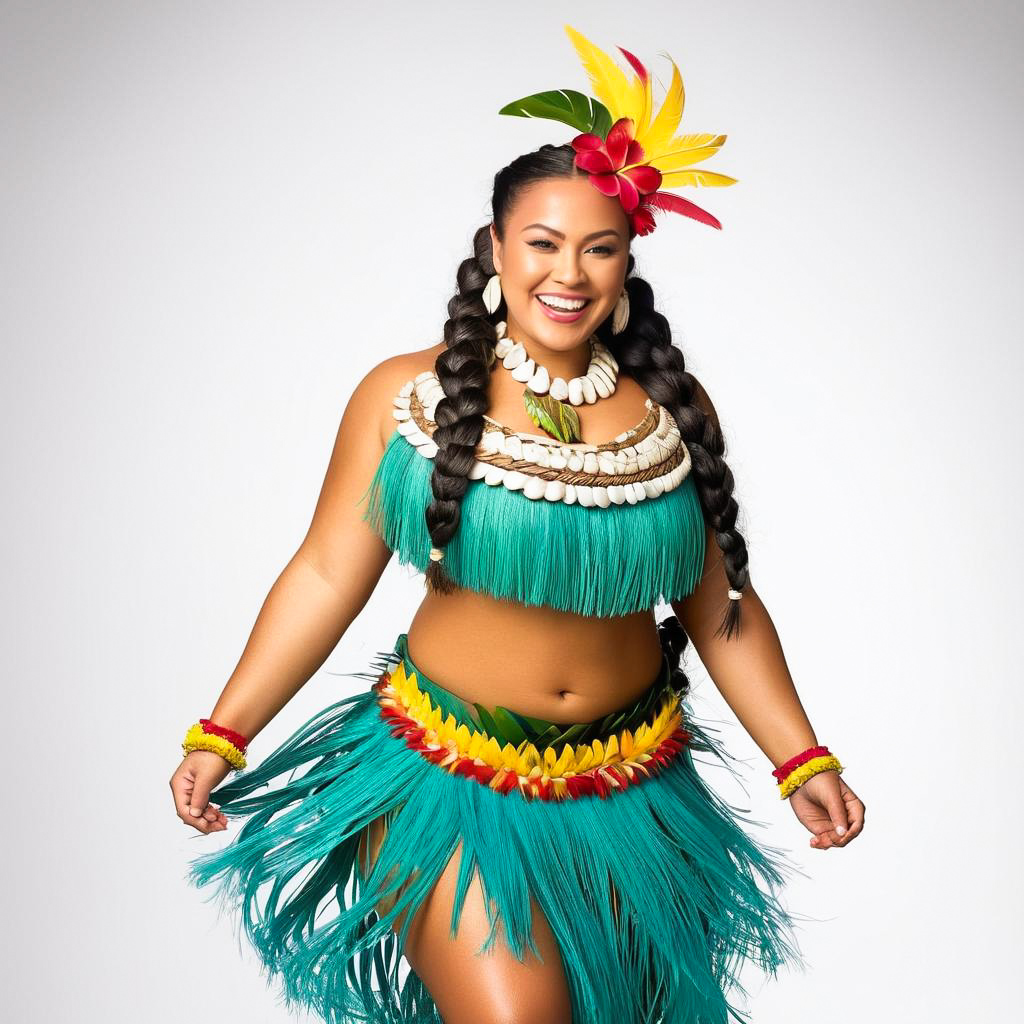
{"x": 655, "y": 892}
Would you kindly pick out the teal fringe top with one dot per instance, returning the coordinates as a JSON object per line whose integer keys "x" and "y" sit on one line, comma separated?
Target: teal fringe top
{"x": 589, "y": 560}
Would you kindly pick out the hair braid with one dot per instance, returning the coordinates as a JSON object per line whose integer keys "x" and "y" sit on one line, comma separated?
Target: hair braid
{"x": 645, "y": 349}
{"x": 463, "y": 370}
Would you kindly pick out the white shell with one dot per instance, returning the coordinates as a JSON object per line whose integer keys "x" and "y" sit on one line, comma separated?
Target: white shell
{"x": 514, "y": 480}
{"x": 554, "y": 491}
{"x": 401, "y": 414}
{"x": 599, "y": 375}
{"x": 479, "y": 471}
{"x": 534, "y": 487}
{"x": 491, "y": 441}
{"x": 588, "y": 389}
{"x": 524, "y": 371}
{"x": 601, "y": 498}
{"x": 559, "y": 389}
{"x": 617, "y": 494}
{"x": 513, "y": 447}
{"x": 576, "y": 391}
{"x": 540, "y": 381}
{"x": 585, "y": 495}
{"x": 494, "y": 475}
{"x": 516, "y": 357}
{"x": 599, "y": 384}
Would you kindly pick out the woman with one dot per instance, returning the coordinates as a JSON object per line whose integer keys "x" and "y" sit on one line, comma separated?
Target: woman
{"x": 513, "y": 806}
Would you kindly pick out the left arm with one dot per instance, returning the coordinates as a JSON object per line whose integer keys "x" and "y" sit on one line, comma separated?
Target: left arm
{"x": 751, "y": 673}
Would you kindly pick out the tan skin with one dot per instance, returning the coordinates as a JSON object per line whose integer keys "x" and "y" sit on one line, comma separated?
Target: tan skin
{"x": 494, "y": 651}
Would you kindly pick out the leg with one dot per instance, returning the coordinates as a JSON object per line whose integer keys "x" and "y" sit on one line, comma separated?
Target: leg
{"x": 489, "y": 988}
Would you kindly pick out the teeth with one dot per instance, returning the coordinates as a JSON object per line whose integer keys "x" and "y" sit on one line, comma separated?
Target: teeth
{"x": 569, "y": 305}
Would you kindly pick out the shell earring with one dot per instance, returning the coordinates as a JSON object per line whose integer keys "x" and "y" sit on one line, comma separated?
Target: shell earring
{"x": 492, "y": 293}
{"x": 620, "y": 316}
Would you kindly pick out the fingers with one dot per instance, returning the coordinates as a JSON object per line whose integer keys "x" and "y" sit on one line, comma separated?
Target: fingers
{"x": 191, "y": 801}
{"x": 854, "y": 813}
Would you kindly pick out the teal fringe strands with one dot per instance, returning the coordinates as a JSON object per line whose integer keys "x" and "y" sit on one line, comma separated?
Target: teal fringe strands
{"x": 655, "y": 894}
{"x": 591, "y": 561}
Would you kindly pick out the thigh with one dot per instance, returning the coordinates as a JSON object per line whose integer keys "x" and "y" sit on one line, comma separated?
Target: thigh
{"x": 479, "y": 988}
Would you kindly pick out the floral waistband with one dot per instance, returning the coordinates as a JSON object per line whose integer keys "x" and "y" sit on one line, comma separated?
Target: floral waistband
{"x": 619, "y": 758}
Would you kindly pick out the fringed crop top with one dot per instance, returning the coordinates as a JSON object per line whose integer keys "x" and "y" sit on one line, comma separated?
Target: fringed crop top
{"x": 598, "y": 530}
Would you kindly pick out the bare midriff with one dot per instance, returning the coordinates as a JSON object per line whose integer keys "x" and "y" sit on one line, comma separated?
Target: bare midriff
{"x": 537, "y": 661}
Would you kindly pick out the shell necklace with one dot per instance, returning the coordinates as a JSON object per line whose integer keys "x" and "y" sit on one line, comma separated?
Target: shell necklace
{"x": 544, "y": 396}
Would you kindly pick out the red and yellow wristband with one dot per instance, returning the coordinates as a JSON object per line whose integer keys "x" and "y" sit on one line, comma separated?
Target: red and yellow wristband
{"x": 798, "y": 769}
{"x": 206, "y": 735}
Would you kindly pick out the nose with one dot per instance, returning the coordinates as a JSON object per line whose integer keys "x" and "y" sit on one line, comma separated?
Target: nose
{"x": 569, "y": 271}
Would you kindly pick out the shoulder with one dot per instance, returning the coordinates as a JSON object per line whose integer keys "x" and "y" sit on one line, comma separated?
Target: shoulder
{"x": 373, "y": 395}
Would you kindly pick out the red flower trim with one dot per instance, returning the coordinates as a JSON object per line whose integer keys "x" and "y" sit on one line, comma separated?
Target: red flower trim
{"x": 229, "y": 734}
{"x": 794, "y": 762}
{"x": 602, "y": 780}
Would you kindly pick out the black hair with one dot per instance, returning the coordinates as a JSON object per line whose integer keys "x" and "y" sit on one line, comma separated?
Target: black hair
{"x": 644, "y": 350}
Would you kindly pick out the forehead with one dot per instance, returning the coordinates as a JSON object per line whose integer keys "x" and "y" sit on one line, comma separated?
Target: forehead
{"x": 570, "y": 205}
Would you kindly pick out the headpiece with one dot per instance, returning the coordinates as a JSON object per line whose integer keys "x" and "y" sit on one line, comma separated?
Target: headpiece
{"x": 625, "y": 152}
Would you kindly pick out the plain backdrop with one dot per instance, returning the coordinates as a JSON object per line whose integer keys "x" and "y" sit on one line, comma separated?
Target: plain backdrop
{"x": 218, "y": 216}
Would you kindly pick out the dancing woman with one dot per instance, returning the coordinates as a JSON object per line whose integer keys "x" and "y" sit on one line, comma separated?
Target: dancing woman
{"x": 511, "y": 807}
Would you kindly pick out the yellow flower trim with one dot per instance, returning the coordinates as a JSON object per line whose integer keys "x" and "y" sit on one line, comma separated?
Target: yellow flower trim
{"x": 403, "y": 692}
{"x": 196, "y": 739}
{"x": 799, "y": 775}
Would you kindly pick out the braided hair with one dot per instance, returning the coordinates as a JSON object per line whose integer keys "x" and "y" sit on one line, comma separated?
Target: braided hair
{"x": 644, "y": 350}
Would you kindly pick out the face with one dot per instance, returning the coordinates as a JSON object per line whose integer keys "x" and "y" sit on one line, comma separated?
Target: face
{"x": 562, "y": 237}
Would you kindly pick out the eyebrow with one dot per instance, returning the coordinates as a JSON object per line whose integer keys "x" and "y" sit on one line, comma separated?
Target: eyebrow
{"x": 594, "y": 234}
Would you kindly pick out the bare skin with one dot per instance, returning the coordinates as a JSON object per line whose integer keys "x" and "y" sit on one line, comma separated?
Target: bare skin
{"x": 538, "y": 661}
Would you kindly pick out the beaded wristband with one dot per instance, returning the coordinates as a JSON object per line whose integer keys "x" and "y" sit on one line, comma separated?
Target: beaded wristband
{"x": 794, "y": 762}
{"x": 199, "y": 737}
{"x": 229, "y": 734}
{"x": 799, "y": 775}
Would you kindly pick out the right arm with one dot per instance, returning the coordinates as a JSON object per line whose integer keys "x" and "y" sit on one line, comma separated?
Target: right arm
{"x": 319, "y": 592}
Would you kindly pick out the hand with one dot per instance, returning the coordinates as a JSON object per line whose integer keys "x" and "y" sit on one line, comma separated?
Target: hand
{"x": 198, "y": 774}
{"x": 829, "y": 809}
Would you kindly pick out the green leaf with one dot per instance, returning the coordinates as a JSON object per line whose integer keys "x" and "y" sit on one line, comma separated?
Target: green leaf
{"x": 573, "y": 108}
{"x": 559, "y": 419}
{"x": 508, "y": 726}
{"x": 486, "y": 721}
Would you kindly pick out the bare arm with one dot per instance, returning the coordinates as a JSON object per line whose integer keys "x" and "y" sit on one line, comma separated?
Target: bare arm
{"x": 319, "y": 592}
{"x": 749, "y": 670}
{"x": 751, "y": 673}
{"x": 326, "y": 583}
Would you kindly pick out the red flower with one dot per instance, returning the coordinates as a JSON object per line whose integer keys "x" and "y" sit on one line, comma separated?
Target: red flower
{"x": 616, "y": 168}
{"x": 615, "y": 164}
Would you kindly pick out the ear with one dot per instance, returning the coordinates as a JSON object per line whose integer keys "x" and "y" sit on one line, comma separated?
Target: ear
{"x": 495, "y": 250}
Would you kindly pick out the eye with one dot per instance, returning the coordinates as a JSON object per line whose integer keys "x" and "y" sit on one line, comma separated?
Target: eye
{"x": 540, "y": 243}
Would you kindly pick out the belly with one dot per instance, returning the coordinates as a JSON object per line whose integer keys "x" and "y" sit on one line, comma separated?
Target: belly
{"x": 536, "y": 661}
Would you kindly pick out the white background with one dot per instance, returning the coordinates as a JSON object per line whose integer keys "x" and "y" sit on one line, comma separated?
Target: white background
{"x": 217, "y": 217}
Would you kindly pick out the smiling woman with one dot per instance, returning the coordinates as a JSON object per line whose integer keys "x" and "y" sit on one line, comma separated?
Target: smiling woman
{"x": 513, "y": 804}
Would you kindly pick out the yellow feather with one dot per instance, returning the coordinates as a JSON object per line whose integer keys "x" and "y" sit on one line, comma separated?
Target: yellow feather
{"x": 695, "y": 178}
{"x": 657, "y": 138}
{"x": 683, "y": 156}
{"x": 611, "y": 86}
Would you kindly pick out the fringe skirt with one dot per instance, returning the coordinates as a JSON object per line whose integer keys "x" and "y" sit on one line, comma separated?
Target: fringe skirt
{"x": 655, "y": 893}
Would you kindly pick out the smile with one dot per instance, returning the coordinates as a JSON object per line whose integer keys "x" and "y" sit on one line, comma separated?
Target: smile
{"x": 562, "y": 310}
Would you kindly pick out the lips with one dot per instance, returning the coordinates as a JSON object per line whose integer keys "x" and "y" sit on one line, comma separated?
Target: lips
{"x": 562, "y": 316}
